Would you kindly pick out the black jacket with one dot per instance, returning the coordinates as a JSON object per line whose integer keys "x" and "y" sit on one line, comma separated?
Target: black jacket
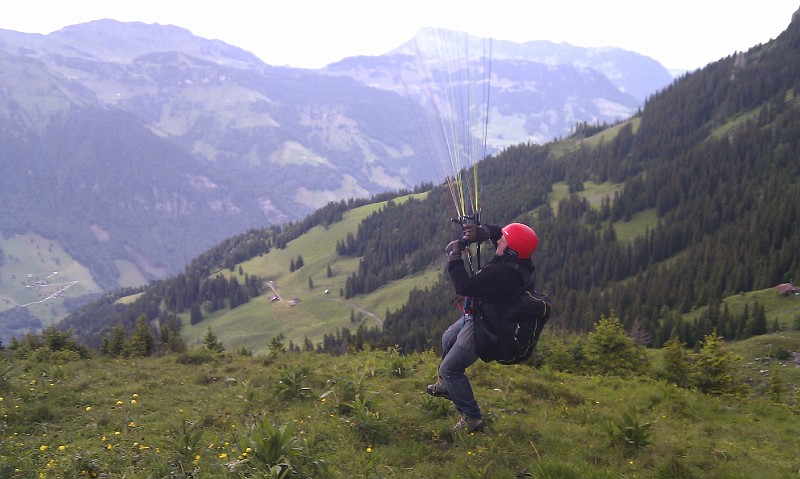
{"x": 496, "y": 282}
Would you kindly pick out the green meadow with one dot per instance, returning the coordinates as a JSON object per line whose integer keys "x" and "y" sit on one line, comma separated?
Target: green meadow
{"x": 33, "y": 272}
{"x": 366, "y": 415}
{"x": 311, "y": 304}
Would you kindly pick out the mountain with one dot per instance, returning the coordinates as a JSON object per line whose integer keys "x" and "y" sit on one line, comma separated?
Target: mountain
{"x": 630, "y": 72}
{"x": 135, "y": 147}
{"x": 545, "y": 86}
{"x": 687, "y": 203}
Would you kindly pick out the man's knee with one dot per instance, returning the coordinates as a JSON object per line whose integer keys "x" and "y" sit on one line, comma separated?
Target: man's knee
{"x": 451, "y": 370}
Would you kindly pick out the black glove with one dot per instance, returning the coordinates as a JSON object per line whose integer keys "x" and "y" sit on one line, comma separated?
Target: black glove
{"x": 453, "y": 251}
{"x": 476, "y": 233}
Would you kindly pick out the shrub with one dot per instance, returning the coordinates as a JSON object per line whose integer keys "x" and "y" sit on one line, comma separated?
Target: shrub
{"x": 396, "y": 362}
{"x": 676, "y": 365}
{"x": 290, "y": 385}
{"x": 559, "y": 356}
{"x": 628, "y": 430}
{"x": 275, "y": 449}
{"x": 608, "y": 350}
{"x": 347, "y": 388}
{"x": 713, "y": 368}
{"x": 197, "y": 356}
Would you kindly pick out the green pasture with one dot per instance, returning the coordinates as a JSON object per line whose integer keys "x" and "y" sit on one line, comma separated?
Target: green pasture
{"x": 305, "y": 309}
{"x": 783, "y": 309}
{"x": 42, "y": 264}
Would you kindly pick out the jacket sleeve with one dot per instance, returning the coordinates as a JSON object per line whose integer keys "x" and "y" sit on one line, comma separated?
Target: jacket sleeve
{"x": 495, "y": 232}
{"x": 496, "y": 282}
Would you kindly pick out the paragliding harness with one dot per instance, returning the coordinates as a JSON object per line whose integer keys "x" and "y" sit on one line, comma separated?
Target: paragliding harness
{"x": 507, "y": 332}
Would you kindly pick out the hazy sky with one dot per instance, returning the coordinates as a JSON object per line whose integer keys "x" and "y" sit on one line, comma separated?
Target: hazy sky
{"x": 680, "y": 34}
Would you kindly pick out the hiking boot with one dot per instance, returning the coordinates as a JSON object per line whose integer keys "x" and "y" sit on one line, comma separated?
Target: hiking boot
{"x": 469, "y": 424}
{"x": 438, "y": 389}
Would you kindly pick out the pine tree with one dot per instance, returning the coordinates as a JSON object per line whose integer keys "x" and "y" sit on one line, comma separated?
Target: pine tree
{"x": 777, "y": 387}
{"x": 171, "y": 337}
{"x": 675, "y": 367}
{"x": 713, "y": 367}
{"x": 758, "y": 322}
{"x": 142, "y": 342}
{"x": 212, "y": 343}
{"x": 639, "y": 333}
{"x": 276, "y": 345}
{"x": 608, "y": 350}
{"x": 559, "y": 356}
{"x": 114, "y": 344}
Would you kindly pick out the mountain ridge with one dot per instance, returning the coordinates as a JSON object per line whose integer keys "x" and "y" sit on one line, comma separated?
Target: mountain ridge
{"x": 616, "y": 64}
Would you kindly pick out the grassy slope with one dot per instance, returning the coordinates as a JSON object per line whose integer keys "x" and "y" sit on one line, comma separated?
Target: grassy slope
{"x": 31, "y": 254}
{"x": 254, "y": 324}
{"x": 783, "y": 309}
{"x": 124, "y": 418}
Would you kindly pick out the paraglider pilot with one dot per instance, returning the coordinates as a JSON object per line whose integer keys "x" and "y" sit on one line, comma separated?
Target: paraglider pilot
{"x": 494, "y": 283}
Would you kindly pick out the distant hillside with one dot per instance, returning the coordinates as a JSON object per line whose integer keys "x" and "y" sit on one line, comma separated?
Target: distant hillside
{"x": 676, "y": 209}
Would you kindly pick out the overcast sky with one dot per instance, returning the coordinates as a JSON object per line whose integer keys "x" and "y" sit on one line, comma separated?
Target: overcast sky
{"x": 680, "y": 34}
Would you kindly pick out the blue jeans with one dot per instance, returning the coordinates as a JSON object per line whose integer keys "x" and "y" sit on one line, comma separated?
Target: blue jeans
{"x": 458, "y": 353}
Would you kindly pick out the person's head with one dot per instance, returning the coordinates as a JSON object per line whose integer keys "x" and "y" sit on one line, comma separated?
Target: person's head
{"x": 518, "y": 240}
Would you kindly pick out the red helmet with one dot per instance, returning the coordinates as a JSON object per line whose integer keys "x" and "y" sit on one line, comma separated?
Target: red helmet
{"x": 521, "y": 238}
